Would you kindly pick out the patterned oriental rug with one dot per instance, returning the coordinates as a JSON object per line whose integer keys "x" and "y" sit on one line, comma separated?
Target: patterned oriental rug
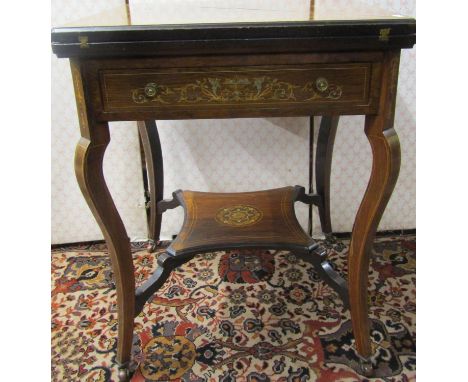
{"x": 253, "y": 316}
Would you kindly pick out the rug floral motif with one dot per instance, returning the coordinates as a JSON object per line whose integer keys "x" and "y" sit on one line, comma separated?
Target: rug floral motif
{"x": 252, "y": 316}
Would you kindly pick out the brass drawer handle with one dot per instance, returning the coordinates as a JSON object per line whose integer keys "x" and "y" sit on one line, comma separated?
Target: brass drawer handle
{"x": 321, "y": 84}
{"x": 150, "y": 90}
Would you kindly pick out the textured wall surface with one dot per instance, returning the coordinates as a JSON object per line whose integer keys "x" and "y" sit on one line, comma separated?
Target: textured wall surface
{"x": 224, "y": 155}
{"x": 72, "y": 220}
{"x": 352, "y": 155}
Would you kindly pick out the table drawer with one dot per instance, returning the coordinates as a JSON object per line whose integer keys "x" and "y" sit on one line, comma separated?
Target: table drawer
{"x": 215, "y": 89}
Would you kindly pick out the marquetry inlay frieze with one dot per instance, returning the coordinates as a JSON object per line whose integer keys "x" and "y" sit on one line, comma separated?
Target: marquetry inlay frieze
{"x": 236, "y": 89}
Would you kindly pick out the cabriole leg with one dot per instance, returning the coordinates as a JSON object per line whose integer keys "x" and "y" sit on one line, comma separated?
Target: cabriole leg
{"x": 88, "y": 168}
{"x": 385, "y": 168}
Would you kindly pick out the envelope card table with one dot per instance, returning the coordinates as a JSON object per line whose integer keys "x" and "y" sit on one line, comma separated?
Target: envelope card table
{"x": 333, "y": 67}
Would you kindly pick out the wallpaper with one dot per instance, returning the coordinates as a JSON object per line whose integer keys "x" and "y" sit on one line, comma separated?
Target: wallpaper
{"x": 227, "y": 155}
{"x": 72, "y": 220}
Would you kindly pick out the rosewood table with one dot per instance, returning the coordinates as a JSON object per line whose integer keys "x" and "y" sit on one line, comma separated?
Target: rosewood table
{"x": 232, "y": 70}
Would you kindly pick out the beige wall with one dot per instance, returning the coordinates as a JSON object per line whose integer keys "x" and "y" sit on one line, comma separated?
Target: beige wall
{"x": 239, "y": 154}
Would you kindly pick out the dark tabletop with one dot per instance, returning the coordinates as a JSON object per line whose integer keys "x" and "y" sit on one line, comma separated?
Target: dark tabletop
{"x": 332, "y": 33}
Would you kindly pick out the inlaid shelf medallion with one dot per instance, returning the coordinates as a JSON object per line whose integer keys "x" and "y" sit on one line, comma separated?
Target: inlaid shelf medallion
{"x": 237, "y": 89}
{"x": 239, "y": 216}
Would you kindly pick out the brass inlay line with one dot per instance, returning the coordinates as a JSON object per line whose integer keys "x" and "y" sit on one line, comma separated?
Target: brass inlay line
{"x": 287, "y": 211}
{"x": 189, "y": 223}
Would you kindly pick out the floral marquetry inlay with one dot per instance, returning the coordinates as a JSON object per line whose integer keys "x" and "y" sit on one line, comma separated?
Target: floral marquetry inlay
{"x": 236, "y": 89}
{"x": 239, "y": 216}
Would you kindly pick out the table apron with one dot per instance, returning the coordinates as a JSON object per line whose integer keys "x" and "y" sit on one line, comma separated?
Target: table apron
{"x": 189, "y": 88}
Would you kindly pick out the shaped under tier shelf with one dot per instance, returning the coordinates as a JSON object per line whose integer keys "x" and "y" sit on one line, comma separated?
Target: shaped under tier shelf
{"x": 222, "y": 221}
{"x": 261, "y": 219}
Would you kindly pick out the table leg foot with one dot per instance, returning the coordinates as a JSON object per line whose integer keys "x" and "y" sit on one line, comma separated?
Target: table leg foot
{"x": 124, "y": 373}
{"x": 365, "y": 367}
{"x": 151, "y": 246}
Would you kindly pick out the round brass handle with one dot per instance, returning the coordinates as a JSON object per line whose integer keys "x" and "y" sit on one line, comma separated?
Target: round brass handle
{"x": 321, "y": 84}
{"x": 150, "y": 90}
